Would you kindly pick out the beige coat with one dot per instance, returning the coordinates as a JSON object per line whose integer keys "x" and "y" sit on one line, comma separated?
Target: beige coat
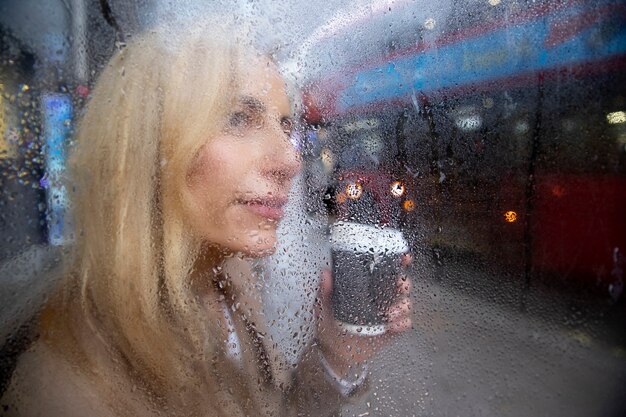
{"x": 247, "y": 378}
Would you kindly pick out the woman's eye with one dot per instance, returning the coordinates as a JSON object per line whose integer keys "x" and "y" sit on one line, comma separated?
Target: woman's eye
{"x": 287, "y": 125}
{"x": 239, "y": 119}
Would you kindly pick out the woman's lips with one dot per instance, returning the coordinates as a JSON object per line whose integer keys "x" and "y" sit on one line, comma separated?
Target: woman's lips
{"x": 269, "y": 208}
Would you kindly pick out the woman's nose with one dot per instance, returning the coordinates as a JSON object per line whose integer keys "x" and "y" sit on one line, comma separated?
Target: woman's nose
{"x": 283, "y": 160}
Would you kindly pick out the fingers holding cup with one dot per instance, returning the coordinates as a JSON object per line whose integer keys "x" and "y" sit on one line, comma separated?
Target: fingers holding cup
{"x": 399, "y": 314}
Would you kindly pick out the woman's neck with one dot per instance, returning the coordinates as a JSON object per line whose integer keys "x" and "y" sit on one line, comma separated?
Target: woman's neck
{"x": 206, "y": 269}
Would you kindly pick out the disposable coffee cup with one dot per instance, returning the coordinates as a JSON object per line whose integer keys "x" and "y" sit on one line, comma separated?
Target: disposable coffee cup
{"x": 366, "y": 265}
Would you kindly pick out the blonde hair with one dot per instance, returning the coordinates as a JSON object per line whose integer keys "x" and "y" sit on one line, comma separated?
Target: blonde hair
{"x": 153, "y": 107}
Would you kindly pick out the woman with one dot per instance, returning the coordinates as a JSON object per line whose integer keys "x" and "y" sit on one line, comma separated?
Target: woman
{"x": 182, "y": 159}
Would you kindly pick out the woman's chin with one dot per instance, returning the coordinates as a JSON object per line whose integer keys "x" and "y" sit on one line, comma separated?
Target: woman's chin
{"x": 260, "y": 252}
{"x": 259, "y": 244}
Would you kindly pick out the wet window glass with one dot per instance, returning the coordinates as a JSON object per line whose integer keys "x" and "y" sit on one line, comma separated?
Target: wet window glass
{"x": 245, "y": 208}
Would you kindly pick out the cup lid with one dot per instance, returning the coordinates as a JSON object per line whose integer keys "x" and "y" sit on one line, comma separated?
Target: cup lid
{"x": 365, "y": 238}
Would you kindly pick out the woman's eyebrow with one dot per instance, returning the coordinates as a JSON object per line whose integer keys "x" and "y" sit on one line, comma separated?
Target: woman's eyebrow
{"x": 253, "y": 104}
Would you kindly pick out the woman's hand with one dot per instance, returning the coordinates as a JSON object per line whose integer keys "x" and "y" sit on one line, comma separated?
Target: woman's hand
{"x": 342, "y": 349}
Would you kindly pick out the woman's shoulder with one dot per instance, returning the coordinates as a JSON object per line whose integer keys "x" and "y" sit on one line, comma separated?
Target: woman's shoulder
{"x": 46, "y": 384}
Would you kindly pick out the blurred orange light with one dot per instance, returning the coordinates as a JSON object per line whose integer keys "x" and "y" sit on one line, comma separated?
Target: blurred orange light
{"x": 510, "y": 216}
{"x": 354, "y": 190}
{"x": 341, "y": 198}
{"x": 408, "y": 205}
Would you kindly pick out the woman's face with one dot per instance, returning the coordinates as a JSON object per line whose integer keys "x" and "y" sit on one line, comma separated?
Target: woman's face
{"x": 240, "y": 179}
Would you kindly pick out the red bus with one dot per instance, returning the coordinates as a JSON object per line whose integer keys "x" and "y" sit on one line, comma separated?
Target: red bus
{"x": 503, "y": 136}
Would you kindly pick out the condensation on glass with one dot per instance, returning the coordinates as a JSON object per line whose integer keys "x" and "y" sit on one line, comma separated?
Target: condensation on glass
{"x": 491, "y": 134}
